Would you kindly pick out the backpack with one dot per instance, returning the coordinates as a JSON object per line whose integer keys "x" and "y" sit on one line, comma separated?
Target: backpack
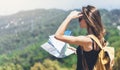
{"x": 105, "y": 60}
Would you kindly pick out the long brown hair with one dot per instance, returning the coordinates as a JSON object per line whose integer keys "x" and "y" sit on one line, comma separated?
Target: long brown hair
{"x": 94, "y": 24}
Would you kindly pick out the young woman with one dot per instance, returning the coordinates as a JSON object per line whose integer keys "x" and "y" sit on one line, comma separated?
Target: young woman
{"x": 90, "y": 19}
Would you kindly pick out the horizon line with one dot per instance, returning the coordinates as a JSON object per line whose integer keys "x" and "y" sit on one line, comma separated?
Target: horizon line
{"x": 12, "y": 13}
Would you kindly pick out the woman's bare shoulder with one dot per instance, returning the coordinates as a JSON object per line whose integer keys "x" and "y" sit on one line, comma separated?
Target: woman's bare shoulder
{"x": 85, "y": 42}
{"x": 85, "y": 39}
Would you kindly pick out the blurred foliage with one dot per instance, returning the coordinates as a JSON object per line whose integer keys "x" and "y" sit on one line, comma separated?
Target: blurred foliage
{"x": 21, "y": 35}
{"x": 11, "y": 66}
{"x": 49, "y": 65}
{"x": 117, "y": 60}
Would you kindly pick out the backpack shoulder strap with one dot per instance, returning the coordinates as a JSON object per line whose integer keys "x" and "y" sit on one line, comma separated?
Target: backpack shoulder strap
{"x": 96, "y": 40}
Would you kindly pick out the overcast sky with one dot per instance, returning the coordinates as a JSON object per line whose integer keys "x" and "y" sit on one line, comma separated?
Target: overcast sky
{"x": 12, "y": 6}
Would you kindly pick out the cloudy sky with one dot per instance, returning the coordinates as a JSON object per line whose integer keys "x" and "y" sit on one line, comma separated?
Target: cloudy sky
{"x": 12, "y": 6}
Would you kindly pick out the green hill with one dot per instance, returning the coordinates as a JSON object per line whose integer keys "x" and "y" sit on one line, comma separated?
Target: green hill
{"x": 21, "y": 35}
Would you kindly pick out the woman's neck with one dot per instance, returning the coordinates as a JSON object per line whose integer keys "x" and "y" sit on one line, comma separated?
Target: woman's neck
{"x": 89, "y": 31}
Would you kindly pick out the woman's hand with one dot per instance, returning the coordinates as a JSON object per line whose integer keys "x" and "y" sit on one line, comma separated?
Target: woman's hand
{"x": 74, "y": 14}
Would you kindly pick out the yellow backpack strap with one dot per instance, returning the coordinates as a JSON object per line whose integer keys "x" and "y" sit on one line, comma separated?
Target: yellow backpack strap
{"x": 96, "y": 40}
